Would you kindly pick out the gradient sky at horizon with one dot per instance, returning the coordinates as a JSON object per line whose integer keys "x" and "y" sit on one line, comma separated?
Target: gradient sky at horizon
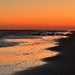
{"x": 37, "y": 14}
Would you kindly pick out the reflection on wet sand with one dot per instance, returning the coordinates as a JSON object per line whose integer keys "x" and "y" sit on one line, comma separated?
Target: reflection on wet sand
{"x": 28, "y": 53}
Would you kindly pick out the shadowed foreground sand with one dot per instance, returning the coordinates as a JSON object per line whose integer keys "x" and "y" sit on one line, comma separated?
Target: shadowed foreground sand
{"x": 28, "y": 53}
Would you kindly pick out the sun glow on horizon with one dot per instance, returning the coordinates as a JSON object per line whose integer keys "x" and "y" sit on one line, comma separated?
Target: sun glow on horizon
{"x": 33, "y": 14}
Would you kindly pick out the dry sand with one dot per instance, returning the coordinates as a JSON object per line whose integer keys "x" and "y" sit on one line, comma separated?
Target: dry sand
{"x": 27, "y": 54}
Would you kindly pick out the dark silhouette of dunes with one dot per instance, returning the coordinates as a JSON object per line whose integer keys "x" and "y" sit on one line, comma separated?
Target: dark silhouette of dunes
{"x": 61, "y": 64}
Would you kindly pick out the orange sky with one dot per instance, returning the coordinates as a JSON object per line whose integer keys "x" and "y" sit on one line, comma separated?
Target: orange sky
{"x": 37, "y": 14}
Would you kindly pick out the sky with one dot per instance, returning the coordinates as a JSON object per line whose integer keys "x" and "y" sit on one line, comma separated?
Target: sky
{"x": 37, "y": 14}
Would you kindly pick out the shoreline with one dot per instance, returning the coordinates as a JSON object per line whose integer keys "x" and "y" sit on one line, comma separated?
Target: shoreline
{"x": 26, "y": 56}
{"x": 61, "y": 64}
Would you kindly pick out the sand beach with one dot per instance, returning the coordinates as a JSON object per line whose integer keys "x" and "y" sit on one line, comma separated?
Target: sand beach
{"x": 26, "y": 54}
{"x": 60, "y": 64}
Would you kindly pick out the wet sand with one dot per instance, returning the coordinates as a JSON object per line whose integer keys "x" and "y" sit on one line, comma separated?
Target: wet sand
{"x": 26, "y": 54}
{"x": 61, "y": 64}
